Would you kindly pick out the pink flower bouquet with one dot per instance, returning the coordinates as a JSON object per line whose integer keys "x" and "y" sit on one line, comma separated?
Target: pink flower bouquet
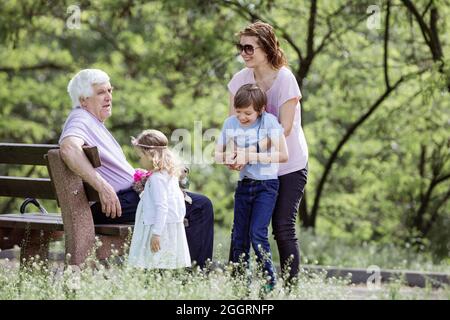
{"x": 139, "y": 179}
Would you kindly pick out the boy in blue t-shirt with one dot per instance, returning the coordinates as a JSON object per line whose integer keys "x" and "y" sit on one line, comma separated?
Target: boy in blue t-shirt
{"x": 253, "y": 142}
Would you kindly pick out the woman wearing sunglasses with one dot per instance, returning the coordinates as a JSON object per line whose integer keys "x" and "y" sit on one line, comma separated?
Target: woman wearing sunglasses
{"x": 266, "y": 65}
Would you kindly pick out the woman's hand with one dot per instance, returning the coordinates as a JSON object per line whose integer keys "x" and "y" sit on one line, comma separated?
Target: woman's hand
{"x": 155, "y": 243}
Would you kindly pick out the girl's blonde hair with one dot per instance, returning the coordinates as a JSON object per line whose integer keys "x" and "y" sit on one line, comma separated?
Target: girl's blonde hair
{"x": 154, "y": 144}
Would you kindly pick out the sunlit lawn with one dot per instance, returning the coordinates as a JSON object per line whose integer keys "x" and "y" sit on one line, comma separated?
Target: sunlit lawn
{"x": 113, "y": 279}
{"x": 120, "y": 282}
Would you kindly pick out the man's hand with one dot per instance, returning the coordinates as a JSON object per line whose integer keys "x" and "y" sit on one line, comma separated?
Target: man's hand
{"x": 154, "y": 243}
{"x": 110, "y": 202}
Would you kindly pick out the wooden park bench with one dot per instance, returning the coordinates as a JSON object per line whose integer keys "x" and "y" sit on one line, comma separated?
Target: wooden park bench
{"x": 33, "y": 232}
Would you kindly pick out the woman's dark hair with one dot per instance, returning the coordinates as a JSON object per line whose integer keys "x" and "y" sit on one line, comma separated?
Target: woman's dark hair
{"x": 250, "y": 94}
{"x": 268, "y": 41}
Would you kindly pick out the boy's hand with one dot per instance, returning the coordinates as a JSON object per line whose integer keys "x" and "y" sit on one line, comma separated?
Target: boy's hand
{"x": 264, "y": 145}
{"x": 154, "y": 243}
{"x": 241, "y": 156}
{"x": 230, "y": 158}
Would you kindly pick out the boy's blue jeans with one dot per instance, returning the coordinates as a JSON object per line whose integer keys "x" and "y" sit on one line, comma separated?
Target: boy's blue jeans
{"x": 254, "y": 201}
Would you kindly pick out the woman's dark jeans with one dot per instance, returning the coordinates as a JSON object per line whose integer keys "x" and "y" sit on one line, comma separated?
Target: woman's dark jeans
{"x": 253, "y": 208}
{"x": 292, "y": 186}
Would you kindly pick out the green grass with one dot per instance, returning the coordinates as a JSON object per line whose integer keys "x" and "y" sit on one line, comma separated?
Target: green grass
{"x": 114, "y": 279}
{"x": 119, "y": 281}
{"x": 328, "y": 251}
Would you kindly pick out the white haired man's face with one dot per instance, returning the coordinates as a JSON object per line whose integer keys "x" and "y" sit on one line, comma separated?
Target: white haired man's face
{"x": 100, "y": 103}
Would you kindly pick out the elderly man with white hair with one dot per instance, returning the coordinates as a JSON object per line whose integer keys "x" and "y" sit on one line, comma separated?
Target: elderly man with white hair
{"x": 91, "y": 94}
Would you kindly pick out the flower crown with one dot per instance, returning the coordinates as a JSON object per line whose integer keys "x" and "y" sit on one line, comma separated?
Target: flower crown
{"x": 135, "y": 142}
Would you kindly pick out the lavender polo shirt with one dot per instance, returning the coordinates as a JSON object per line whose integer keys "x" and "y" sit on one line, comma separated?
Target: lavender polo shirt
{"x": 284, "y": 88}
{"x": 115, "y": 168}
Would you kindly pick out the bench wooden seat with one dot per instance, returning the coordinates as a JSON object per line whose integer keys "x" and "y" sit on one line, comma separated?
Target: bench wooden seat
{"x": 33, "y": 232}
{"x": 50, "y": 222}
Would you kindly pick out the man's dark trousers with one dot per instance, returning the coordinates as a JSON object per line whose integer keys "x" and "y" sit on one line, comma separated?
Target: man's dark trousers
{"x": 199, "y": 227}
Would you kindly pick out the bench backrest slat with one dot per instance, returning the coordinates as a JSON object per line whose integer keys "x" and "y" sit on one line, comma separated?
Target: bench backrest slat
{"x": 91, "y": 193}
{"x": 31, "y": 154}
{"x": 93, "y": 156}
{"x": 36, "y": 154}
{"x": 40, "y": 188}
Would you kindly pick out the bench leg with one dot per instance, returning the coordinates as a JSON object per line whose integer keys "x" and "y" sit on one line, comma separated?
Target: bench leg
{"x": 36, "y": 243}
{"x": 104, "y": 252}
{"x": 11, "y": 237}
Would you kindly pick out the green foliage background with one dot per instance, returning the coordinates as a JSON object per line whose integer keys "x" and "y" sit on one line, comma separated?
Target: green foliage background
{"x": 170, "y": 61}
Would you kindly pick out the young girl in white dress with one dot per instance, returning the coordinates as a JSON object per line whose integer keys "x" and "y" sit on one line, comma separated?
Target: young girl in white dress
{"x": 159, "y": 239}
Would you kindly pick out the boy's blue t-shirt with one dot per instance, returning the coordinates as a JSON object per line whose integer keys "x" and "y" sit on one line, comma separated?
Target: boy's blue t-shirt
{"x": 266, "y": 126}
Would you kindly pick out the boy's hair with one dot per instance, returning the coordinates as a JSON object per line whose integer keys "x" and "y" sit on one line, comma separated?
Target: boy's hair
{"x": 250, "y": 94}
{"x": 154, "y": 144}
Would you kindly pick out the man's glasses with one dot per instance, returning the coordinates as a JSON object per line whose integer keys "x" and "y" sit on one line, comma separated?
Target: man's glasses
{"x": 247, "y": 48}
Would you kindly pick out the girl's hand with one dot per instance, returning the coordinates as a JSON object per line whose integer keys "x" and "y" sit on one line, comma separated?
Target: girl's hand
{"x": 154, "y": 243}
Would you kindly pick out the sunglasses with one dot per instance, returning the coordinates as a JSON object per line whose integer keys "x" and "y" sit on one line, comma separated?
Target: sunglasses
{"x": 247, "y": 48}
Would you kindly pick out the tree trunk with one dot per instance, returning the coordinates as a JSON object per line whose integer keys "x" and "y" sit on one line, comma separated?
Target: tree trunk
{"x": 350, "y": 131}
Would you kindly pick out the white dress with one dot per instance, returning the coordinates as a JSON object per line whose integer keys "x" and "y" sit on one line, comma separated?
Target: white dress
{"x": 160, "y": 211}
